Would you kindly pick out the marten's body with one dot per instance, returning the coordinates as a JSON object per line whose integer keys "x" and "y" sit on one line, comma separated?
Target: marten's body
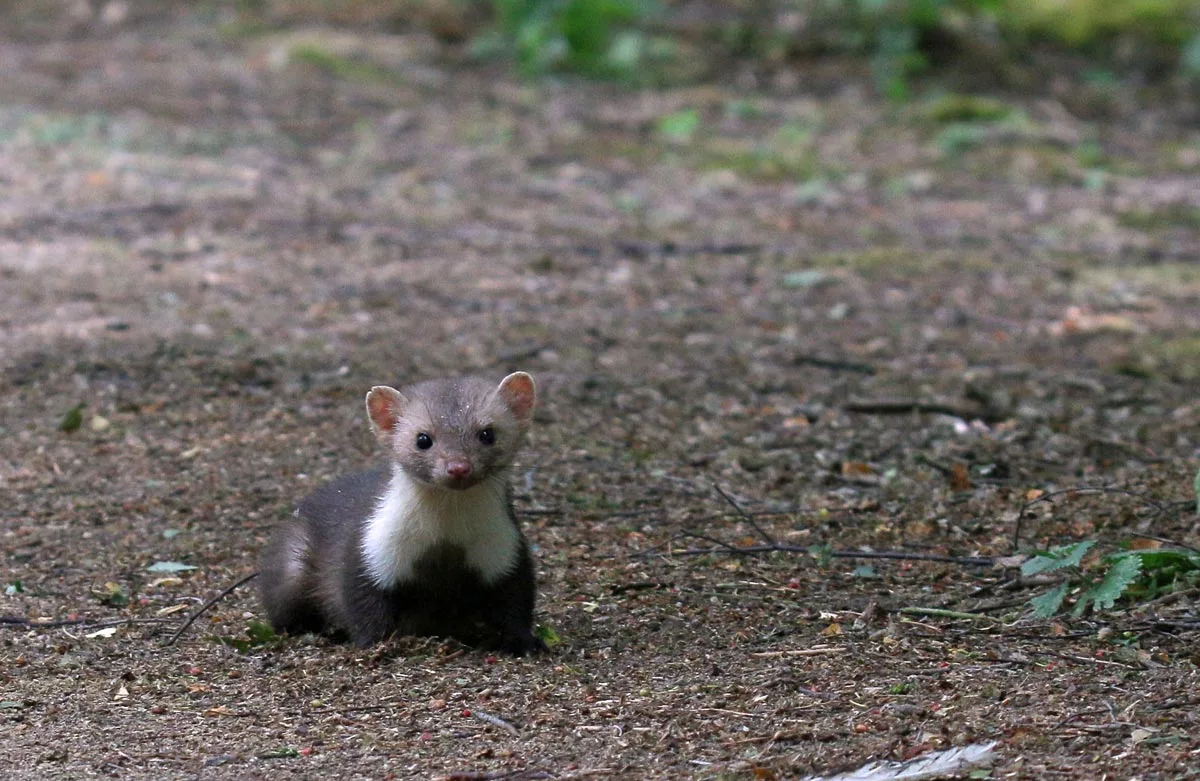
{"x": 428, "y": 545}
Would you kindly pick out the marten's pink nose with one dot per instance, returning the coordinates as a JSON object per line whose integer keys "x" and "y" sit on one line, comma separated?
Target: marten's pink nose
{"x": 458, "y": 469}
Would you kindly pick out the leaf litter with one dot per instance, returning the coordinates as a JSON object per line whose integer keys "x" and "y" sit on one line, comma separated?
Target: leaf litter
{"x": 218, "y": 254}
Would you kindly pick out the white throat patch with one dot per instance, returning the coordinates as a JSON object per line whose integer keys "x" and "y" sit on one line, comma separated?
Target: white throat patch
{"x": 412, "y": 518}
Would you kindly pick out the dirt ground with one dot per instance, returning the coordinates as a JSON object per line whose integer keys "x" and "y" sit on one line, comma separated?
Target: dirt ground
{"x": 875, "y": 328}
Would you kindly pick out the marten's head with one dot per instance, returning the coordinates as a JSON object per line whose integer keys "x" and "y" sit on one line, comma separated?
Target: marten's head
{"x": 453, "y": 433}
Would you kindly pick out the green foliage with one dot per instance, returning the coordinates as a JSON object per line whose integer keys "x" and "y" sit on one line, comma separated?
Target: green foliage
{"x": 866, "y": 572}
{"x": 1080, "y": 23}
{"x": 1196, "y": 487}
{"x": 822, "y": 553}
{"x": 1049, "y": 603}
{"x": 280, "y": 753}
{"x": 1190, "y": 58}
{"x": 1130, "y": 575}
{"x": 111, "y": 594}
{"x": 258, "y": 633}
{"x": 598, "y": 38}
{"x": 341, "y": 67}
{"x": 893, "y": 31}
{"x": 1060, "y": 557}
{"x": 547, "y": 635}
{"x": 955, "y": 107}
{"x": 680, "y": 127}
{"x": 1120, "y": 577}
{"x": 73, "y": 419}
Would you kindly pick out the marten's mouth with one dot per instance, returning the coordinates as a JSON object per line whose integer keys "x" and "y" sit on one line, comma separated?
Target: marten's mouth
{"x": 458, "y": 483}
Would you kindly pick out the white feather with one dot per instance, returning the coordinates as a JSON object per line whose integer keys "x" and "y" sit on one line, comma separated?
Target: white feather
{"x": 413, "y": 518}
{"x": 936, "y": 764}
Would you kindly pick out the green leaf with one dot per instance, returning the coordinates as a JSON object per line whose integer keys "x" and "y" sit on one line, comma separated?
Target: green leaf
{"x": 280, "y": 753}
{"x": 1155, "y": 561}
{"x": 111, "y": 594}
{"x": 260, "y": 632}
{"x": 1120, "y": 576}
{"x": 73, "y": 419}
{"x": 1190, "y": 62}
{"x": 807, "y": 278}
{"x": 547, "y": 635}
{"x": 1056, "y": 558}
{"x": 1073, "y": 554}
{"x": 680, "y": 127}
{"x": 169, "y": 566}
{"x": 257, "y": 633}
{"x": 1196, "y": 485}
{"x": 822, "y": 553}
{"x": 1048, "y": 604}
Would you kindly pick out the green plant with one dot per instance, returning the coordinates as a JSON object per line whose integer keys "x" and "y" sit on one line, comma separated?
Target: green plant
{"x": 258, "y": 633}
{"x": 1190, "y": 57}
{"x": 896, "y": 31}
{"x": 599, "y": 38}
{"x": 1131, "y": 575}
{"x": 680, "y": 127}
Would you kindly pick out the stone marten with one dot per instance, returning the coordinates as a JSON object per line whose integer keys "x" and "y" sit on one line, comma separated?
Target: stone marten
{"x": 428, "y": 543}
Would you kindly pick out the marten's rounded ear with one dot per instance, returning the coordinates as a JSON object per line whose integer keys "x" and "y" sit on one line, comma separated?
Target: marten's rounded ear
{"x": 519, "y": 395}
{"x": 385, "y": 407}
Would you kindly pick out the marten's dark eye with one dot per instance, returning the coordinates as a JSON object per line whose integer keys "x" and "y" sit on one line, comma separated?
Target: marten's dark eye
{"x": 487, "y": 435}
{"x": 424, "y": 441}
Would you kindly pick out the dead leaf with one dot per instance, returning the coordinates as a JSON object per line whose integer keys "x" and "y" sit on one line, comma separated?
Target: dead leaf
{"x": 172, "y": 610}
{"x": 1077, "y": 320}
{"x": 960, "y": 479}
{"x": 856, "y": 469}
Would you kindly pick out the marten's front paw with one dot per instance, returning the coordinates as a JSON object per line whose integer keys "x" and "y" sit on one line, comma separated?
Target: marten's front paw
{"x": 522, "y": 643}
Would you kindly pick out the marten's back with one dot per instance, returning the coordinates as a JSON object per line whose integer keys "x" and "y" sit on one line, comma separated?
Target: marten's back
{"x": 333, "y": 509}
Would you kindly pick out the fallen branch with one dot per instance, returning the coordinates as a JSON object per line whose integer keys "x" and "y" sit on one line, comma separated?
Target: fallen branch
{"x": 203, "y": 608}
{"x": 496, "y": 775}
{"x": 745, "y": 515}
{"x": 82, "y": 623}
{"x": 817, "y": 651}
{"x": 750, "y": 550}
{"x": 937, "y": 612}
{"x": 908, "y": 406}
{"x": 1082, "y": 659}
{"x": 833, "y": 364}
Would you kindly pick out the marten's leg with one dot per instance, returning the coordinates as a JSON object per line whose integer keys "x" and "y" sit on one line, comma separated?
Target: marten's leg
{"x": 286, "y": 582}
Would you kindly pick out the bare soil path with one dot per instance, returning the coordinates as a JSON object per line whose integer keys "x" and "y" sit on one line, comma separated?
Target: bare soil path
{"x": 876, "y": 328}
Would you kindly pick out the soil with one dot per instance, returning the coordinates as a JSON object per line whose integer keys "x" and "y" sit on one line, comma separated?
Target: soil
{"x": 803, "y": 322}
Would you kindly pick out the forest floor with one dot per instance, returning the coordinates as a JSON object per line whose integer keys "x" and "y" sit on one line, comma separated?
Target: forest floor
{"x": 769, "y": 311}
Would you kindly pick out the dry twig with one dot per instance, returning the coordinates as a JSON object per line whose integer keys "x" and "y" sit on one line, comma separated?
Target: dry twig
{"x": 201, "y": 610}
{"x": 495, "y": 721}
